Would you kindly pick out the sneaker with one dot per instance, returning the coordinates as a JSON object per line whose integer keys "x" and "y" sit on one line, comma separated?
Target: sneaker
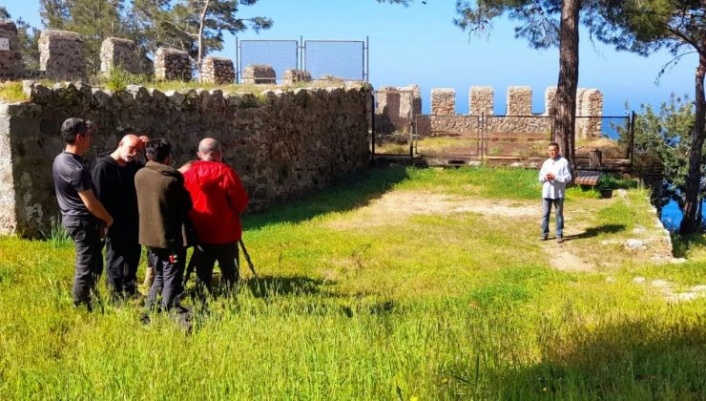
{"x": 544, "y": 237}
{"x": 559, "y": 240}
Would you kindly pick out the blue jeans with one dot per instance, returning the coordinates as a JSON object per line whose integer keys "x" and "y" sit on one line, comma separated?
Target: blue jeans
{"x": 559, "y": 211}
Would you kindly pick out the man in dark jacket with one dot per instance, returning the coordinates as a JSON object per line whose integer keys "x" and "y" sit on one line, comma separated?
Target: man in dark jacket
{"x": 82, "y": 214}
{"x": 114, "y": 181}
{"x": 219, "y": 199}
{"x": 163, "y": 205}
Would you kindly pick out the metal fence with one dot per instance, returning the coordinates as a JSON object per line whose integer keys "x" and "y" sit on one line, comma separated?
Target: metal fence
{"x": 323, "y": 59}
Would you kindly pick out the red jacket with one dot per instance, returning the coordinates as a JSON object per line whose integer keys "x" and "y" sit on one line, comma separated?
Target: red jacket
{"x": 219, "y": 198}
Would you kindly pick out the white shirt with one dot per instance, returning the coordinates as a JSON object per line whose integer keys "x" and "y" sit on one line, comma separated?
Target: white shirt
{"x": 555, "y": 188}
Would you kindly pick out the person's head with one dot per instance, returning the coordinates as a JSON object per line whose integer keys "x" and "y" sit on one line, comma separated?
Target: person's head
{"x": 553, "y": 150}
{"x": 128, "y": 149}
{"x": 76, "y": 134}
{"x": 158, "y": 150}
{"x": 210, "y": 150}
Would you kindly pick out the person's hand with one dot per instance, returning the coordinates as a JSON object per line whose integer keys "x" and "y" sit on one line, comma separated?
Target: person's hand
{"x": 550, "y": 177}
{"x": 109, "y": 222}
{"x": 144, "y": 139}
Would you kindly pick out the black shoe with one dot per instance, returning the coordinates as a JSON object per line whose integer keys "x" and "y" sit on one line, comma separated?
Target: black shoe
{"x": 543, "y": 237}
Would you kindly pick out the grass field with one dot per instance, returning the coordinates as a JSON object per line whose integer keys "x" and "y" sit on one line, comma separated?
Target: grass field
{"x": 403, "y": 284}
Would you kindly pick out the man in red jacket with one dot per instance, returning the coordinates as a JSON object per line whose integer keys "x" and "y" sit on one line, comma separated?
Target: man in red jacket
{"x": 218, "y": 200}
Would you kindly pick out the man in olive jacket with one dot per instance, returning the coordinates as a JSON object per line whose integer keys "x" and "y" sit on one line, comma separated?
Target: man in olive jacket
{"x": 163, "y": 205}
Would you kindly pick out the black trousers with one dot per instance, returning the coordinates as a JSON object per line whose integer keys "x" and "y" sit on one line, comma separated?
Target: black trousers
{"x": 227, "y": 257}
{"x": 169, "y": 275}
{"x": 122, "y": 256}
{"x": 85, "y": 232}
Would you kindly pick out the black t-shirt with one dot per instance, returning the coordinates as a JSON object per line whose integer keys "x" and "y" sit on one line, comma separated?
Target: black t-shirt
{"x": 115, "y": 188}
{"x": 71, "y": 176}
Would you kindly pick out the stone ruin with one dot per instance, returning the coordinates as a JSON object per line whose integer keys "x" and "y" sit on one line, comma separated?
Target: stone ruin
{"x": 10, "y": 57}
{"x": 292, "y": 77}
{"x": 218, "y": 71}
{"x": 172, "y": 65}
{"x": 392, "y": 113}
{"x": 62, "y": 55}
{"x": 259, "y": 74}
{"x": 120, "y": 53}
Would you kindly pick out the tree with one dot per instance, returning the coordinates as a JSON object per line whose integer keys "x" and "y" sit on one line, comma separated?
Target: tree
{"x": 644, "y": 26}
{"x": 94, "y": 20}
{"x": 194, "y": 26}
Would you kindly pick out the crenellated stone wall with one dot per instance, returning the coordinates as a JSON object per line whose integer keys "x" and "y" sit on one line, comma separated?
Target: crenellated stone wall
{"x": 120, "y": 53}
{"x": 10, "y": 57}
{"x": 518, "y": 119}
{"x": 259, "y": 74}
{"x": 62, "y": 55}
{"x": 172, "y": 65}
{"x": 218, "y": 71}
{"x": 283, "y": 144}
{"x": 395, "y": 107}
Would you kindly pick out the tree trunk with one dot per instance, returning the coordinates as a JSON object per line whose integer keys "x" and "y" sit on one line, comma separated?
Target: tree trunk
{"x": 565, "y": 111}
{"x": 692, "y": 216}
{"x": 202, "y": 21}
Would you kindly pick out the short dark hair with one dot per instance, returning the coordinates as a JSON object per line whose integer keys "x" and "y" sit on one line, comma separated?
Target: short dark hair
{"x": 72, "y": 127}
{"x": 554, "y": 144}
{"x": 158, "y": 150}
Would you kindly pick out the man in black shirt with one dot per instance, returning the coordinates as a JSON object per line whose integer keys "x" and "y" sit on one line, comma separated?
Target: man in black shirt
{"x": 82, "y": 214}
{"x": 114, "y": 181}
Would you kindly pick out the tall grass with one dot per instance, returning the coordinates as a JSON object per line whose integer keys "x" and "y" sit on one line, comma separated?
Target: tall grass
{"x": 429, "y": 306}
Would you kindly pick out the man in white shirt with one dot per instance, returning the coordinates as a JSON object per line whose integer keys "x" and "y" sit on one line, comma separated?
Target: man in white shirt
{"x": 554, "y": 176}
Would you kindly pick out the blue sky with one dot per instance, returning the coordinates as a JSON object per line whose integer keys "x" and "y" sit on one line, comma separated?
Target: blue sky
{"x": 420, "y": 45}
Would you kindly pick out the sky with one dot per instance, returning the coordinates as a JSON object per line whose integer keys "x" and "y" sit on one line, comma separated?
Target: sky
{"x": 420, "y": 45}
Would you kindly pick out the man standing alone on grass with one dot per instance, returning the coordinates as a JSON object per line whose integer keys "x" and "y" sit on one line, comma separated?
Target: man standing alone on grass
{"x": 554, "y": 175}
{"x": 82, "y": 214}
{"x": 163, "y": 205}
{"x": 219, "y": 200}
{"x": 114, "y": 180}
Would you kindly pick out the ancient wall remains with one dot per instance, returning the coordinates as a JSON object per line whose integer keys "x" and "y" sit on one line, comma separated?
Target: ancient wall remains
{"x": 10, "y": 57}
{"x": 62, "y": 55}
{"x": 395, "y": 107}
{"x": 283, "y": 144}
{"x": 120, "y": 53}
{"x": 259, "y": 74}
{"x": 519, "y": 117}
{"x": 292, "y": 77}
{"x": 172, "y": 65}
{"x": 218, "y": 71}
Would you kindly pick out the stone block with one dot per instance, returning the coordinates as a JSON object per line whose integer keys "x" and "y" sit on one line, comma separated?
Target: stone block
{"x": 62, "y": 55}
{"x": 259, "y": 74}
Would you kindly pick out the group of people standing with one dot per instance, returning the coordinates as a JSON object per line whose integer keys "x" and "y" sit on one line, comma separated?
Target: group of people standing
{"x": 124, "y": 204}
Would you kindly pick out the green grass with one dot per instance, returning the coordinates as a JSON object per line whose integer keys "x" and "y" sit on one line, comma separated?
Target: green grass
{"x": 357, "y": 304}
{"x": 12, "y": 92}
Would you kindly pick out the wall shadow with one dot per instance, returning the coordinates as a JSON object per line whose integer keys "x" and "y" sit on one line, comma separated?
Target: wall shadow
{"x": 269, "y": 286}
{"x": 633, "y": 360}
{"x": 595, "y": 231}
{"x": 352, "y": 192}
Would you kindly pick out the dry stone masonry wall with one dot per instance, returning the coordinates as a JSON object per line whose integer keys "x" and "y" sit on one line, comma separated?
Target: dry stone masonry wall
{"x": 395, "y": 109}
{"x": 120, "y": 53}
{"x": 282, "y": 143}
{"x": 392, "y": 112}
{"x": 217, "y": 70}
{"x": 10, "y": 57}
{"x": 62, "y": 55}
{"x": 172, "y": 65}
{"x": 259, "y": 74}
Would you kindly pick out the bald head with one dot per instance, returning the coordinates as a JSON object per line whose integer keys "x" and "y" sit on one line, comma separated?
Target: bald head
{"x": 210, "y": 150}
{"x": 128, "y": 149}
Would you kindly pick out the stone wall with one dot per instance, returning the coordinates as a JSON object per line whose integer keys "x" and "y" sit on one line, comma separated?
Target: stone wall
{"x": 62, "y": 55}
{"x": 172, "y": 65}
{"x": 259, "y": 74}
{"x": 518, "y": 119}
{"x": 10, "y": 57}
{"x": 283, "y": 144}
{"x": 120, "y": 53}
{"x": 217, "y": 70}
{"x": 395, "y": 107}
{"x": 292, "y": 77}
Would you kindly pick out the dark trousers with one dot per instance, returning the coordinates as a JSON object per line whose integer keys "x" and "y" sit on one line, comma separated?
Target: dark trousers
{"x": 122, "y": 256}
{"x": 85, "y": 232}
{"x": 207, "y": 255}
{"x": 168, "y": 277}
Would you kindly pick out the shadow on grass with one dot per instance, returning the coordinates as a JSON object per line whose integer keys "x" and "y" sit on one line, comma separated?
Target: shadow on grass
{"x": 595, "y": 231}
{"x": 683, "y": 243}
{"x": 644, "y": 359}
{"x": 349, "y": 194}
{"x": 268, "y": 286}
